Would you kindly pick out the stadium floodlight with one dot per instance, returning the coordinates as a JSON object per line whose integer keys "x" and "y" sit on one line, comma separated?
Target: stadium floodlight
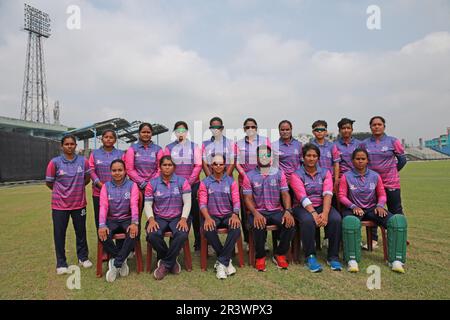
{"x": 37, "y": 22}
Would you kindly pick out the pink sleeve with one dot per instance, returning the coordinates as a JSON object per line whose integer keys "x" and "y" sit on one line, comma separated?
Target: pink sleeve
{"x": 202, "y": 196}
{"x": 328, "y": 184}
{"x": 134, "y": 203}
{"x": 186, "y": 187}
{"x": 235, "y": 198}
{"x": 335, "y": 154}
{"x": 94, "y": 176}
{"x": 148, "y": 194}
{"x": 104, "y": 206}
{"x": 298, "y": 187}
{"x": 381, "y": 193}
{"x": 197, "y": 165}
{"x": 131, "y": 171}
{"x": 50, "y": 173}
{"x": 158, "y": 159}
{"x": 398, "y": 148}
{"x": 283, "y": 183}
{"x": 343, "y": 193}
{"x": 246, "y": 185}
{"x": 167, "y": 151}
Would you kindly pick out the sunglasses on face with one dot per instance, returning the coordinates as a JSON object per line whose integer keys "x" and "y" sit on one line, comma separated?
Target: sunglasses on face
{"x": 215, "y": 164}
{"x": 250, "y": 127}
{"x": 216, "y": 127}
{"x": 320, "y": 129}
{"x": 181, "y": 130}
{"x": 267, "y": 155}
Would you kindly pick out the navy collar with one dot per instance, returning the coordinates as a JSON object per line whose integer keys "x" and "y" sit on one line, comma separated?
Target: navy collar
{"x": 64, "y": 159}
{"x": 115, "y": 185}
{"x": 372, "y": 138}
{"x": 357, "y": 174}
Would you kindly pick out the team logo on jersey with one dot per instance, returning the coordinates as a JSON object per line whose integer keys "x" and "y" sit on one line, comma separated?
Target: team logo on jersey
{"x": 110, "y": 197}
{"x": 61, "y": 172}
{"x": 176, "y": 190}
{"x": 127, "y": 196}
{"x": 210, "y": 191}
{"x": 226, "y": 189}
{"x": 273, "y": 183}
{"x": 384, "y": 149}
{"x": 372, "y": 186}
{"x": 99, "y": 161}
{"x": 158, "y": 194}
{"x": 328, "y": 154}
{"x": 80, "y": 169}
{"x": 153, "y": 154}
{"x": 352, "y": 187}
{"x": 137, "y": 155}
{"x": 257, "y": 185}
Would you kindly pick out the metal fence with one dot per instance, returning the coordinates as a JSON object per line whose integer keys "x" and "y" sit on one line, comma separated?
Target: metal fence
{"x": 24, "y": 157}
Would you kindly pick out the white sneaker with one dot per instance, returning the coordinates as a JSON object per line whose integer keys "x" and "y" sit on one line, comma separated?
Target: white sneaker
{"x": 131, "y": 255}
{"x": 111, "y": 274}
{"x": 266, "y": 247}
{"x": 62, "y": 270}
{"x": 211, "y": 251}
{"x": 325, "y": 243}
{"x": 230, "y": 269}
{"x": 374, "y": 245}
{"x": 221, "y": 271}
{"x": 216, "y": 265}
{"x": 397, "y": 266}
{"x": 353, "y": 266}
{"x": 124, "y": 270}
{"x": 85, "y": 264}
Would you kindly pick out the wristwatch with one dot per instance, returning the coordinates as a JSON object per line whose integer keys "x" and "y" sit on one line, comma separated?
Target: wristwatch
{"x": 290, "y": 210}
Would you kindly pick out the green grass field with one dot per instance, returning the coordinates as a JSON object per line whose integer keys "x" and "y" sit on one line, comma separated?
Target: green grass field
{"x": 27, "y": 259}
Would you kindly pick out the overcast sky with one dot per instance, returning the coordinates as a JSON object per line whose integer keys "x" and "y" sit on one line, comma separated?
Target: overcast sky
{"x": 163, "y": 61}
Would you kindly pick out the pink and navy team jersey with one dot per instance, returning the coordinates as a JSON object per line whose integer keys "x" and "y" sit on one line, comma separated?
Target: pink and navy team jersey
{"x": 225, "y": 146}
{"x": 265, "y": 188}
{"x": 246, "y": 156}
{"x": 362, "y": 191}
{"x": 345, "y": 154}
{"x": 99, "y": 163}
{"x": 119, "y": 202}
{"x": 310, "y": 187}
{"x": 167, "y": 197}
{"x": 220, "y": 197}
{"x": 143, "y": 162}
{"x": 287, "y": 156}
{"x": 188, "y": 159}
{"x": 68, "y": 178}
{"x": 329, "y": 155}
{"x": 383, "y": 159}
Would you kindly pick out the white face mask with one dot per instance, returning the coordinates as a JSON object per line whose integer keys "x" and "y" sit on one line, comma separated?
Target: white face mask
{"x": 178, "y": 135}
{"x": 251, "y": 132}
{"x": 216, "y": 132}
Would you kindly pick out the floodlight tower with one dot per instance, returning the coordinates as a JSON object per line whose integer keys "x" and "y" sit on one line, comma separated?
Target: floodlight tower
{"x": 34, "y": 96}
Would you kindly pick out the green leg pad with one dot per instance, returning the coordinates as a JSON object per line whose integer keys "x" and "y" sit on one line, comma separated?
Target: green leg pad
{"x": 351, "y": 236}
{"x": 397, "y": 236}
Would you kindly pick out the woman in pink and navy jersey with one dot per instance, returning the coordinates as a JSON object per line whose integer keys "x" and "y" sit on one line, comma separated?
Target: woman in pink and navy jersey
{"x": 188, "y": 159}
{"x": 100, "y": 163}
{"x": 218, "y": 144}
{"x": 313, "y": 189}
{"x": 387, "y": 158}
{"x": 266, "y": 195}
{"x": 167, "y": 207}
{"x": 287, "y": 150}
{"x": 119, "y": 213}
{"x": 142, "y": 158}
{"x": 218, "y": 197}
{"x": 345, "y": 145}
{"x": 362, "y": 193}
{"x": 247, "y": 159}
{"x": 67, "y": 176}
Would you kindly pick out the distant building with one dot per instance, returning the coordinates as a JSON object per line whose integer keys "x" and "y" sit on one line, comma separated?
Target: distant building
{"x": 440, "y": 143}
{"x": 36, "y": 129}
